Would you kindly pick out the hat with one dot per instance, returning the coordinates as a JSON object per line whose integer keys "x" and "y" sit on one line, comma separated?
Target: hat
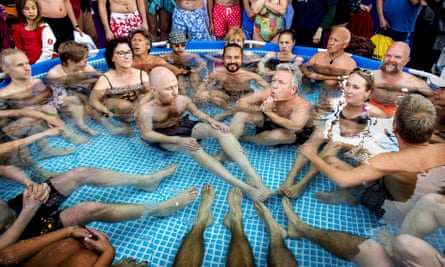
{"x": 177, "y": 37}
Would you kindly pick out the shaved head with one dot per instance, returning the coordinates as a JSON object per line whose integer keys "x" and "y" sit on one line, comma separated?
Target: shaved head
{"x": 159, "y": 74}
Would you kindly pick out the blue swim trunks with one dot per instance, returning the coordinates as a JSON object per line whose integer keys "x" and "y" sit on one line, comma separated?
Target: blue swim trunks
{"x": 192, "y": 22}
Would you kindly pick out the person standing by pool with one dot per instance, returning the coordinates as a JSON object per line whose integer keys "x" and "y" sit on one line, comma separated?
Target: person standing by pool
{"x": 59, "y": 14}
{"x": 162, "y": 123}
{"x": 279, "y": 113}
{"x": 348, "y": 126}
{"x": 192, "y": 18}
{"x": 391, "y": 177}
{"x": 235, "y": 82}
{"x": 125, "y": 15}
{"x": 118, "y": 90}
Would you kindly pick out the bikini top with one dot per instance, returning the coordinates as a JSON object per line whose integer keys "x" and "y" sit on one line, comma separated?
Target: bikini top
{"x": 360, "y": 119}
{"x": 130, "y": 93}
{"x": 274, "y": 61}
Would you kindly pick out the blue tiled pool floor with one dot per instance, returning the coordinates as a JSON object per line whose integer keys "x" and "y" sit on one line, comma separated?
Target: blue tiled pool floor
{"x": 157, "y": 240}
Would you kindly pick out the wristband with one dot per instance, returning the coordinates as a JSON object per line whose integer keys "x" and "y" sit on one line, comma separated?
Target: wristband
{"x": 76, "y": 26}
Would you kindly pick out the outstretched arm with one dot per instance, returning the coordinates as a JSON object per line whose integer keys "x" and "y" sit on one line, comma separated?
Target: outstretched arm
{"x": 361, "y": 174}
{"x": 11, "y": 146}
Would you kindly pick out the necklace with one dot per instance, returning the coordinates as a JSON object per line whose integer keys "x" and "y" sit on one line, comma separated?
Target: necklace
{"x": 333, "y": 57}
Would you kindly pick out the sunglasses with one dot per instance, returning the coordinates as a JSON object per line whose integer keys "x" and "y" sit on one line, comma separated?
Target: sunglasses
{"x": 179, "y": 45}
{"x": 363, "y": 72}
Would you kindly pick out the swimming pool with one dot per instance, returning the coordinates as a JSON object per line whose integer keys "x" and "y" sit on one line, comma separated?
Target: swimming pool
{"x": 157, "y": 240}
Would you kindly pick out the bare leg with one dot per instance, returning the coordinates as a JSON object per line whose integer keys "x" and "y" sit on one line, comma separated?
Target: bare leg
{"x": 23, "y": 158}
{"x": 46, "y": 151}
{"x": 211, "y": 164}
{"x": 300, "y": 161}
{"x": 342, "y": 245}
{"x": 192, "y": 248}
{"x": 74, "y": 138}
{"x": 233, "y": 149}
{"x": 111, "y": 128}
{"x": 77, "y": 111}
{"x": 271, "y": 138}
{"x": 408, "y": 247}
{"x": 85, "y": 212}
{"x": 164, "y": 23}
{"x": 69, "y": 181}
{"x": 278, "y": 254}
{"x": 240, "y": 253}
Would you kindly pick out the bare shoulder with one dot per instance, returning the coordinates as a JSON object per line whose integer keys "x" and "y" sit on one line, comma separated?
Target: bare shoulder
{"x": 55, "y": 72}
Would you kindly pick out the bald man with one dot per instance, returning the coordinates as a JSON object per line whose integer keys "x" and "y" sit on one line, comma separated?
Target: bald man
{"x": 162, "y": 123}
{"x": 330, "y": 66}
{"x": 391, "y": 82}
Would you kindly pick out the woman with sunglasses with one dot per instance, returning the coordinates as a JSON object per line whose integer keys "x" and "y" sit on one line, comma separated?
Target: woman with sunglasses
{"x": 347, "y": 129}
{"x": 118, "y": 90}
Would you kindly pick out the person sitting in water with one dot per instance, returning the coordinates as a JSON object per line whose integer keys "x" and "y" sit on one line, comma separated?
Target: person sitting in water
{"x": 81, "y": 247}
{"x": 286, "y": 42}
{"x": 72, "y": 81}
{"x": 349, "y": 126}
{"x": 331, "y": 65}
{"x": 194, "y": 67}
{"x": 162, "y": 123}
{"x": 391, "y": 177}
{"x": 392, "y": 82}
{"x": 15, "y": 152}
{"x": 118, "y": 90}
{"x": 36, "y": 211}
{"x": 279, "y": 113}
{"x": 406, "y": 249}
{"x": 25, "y": 92}
{"x": 141, "y": 44}
{"x": 240, "y": 253}
{"x": 235, "y": 82}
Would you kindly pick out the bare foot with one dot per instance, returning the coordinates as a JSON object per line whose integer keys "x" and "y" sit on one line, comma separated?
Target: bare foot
{"x": 234, "y": 215}
{"x": 150, "y": 182}
{"x": 73, "y": 137}
{"x": 336, "y": 197}
{"x": 266, "y": 216}
{"x": 294, "y": 228}
{"x": 171, "y": 205}
{"x": 55, "y": 152}
{"x": 117, "y": 130}
{"x": 256, "y": 194}
{"x": 205, "y": 215}
{"x": 89, "y": 130}
{"x": 294, "y": 191}
{"x": 386, "y": 238}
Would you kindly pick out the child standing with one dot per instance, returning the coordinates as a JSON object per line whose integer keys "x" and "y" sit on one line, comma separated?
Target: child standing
{"x": 33, "y": 36}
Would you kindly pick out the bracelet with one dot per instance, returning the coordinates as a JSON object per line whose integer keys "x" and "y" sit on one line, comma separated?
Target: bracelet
{"x": 76, "y": 26}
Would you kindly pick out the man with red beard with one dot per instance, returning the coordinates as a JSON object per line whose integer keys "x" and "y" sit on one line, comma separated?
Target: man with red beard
{"x": 279, "y": 113}
{"x": 234, "y": 82}
{"x": 391, "y": 82}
